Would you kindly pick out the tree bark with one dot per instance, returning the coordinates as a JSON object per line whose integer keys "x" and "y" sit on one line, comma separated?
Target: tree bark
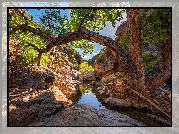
{"x": 135, "y": 47}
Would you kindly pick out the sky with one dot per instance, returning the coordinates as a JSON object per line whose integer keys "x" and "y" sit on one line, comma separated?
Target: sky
{"x": 108, "y": 30}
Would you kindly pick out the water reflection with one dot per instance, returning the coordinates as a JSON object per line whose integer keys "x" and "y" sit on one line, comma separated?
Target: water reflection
{"x": 88, "y": 96}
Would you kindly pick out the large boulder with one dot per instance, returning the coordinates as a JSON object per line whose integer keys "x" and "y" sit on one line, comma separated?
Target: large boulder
{"x": 117, "y": 102}
{"x": 32, "y": 110}
{"x": 87, "y": 75}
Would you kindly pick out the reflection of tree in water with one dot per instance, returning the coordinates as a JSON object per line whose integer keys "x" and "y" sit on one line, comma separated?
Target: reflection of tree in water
{"x": 83, "y": 89}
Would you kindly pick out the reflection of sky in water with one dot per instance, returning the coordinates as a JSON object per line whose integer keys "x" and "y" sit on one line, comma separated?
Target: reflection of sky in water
{"x": 90, "y": 99}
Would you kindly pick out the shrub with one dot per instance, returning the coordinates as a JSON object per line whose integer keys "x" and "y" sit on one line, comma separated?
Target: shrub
{"x": 85, "y": 67}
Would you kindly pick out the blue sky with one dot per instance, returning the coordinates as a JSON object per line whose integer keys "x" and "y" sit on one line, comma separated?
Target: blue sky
{"x": 108, "y": 30}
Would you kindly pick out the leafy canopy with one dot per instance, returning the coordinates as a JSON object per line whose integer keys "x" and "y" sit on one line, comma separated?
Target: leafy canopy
{"x": 92, "y": 19}
{"x": 27, "y": 40}
{"x": 154, "y": 24}
{"x": 55, "y": 21}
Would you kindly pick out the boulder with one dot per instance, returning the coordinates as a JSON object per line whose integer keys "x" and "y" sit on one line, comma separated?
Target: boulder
{"x": 89, "y": 76}
{"x": 28, "y": 112}
{"x": 117, "y": 102}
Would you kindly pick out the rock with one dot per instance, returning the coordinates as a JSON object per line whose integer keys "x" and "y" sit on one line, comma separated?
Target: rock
{"x": 117, "y": 102}
{"x": 29, "y": 112}
{"x": 113, "y": 118}
{"x": 89, "y": 76}
{"x": 104, "y": 80}
{"x": 101, "y": 92}
{"x": 80, "y": 77}
{"x": 85, "y": 115}
{"x": 105, "y": 88}
{"x": 78, "y": 115}
{"x": 105, "y": 62}
{"x": 58, "y": 94}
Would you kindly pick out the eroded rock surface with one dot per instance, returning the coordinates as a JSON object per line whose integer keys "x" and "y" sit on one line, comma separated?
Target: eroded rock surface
{"x": 37, "y": 92}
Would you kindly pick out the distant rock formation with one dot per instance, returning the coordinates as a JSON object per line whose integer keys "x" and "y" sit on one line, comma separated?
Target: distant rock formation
{"x": 87, "y": 75}
{"x": 121, "y": 31}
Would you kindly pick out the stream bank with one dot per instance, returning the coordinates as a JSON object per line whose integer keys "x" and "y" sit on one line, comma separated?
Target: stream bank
{"x": 40, "y": 97}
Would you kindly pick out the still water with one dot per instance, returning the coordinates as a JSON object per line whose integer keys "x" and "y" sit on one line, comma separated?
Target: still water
{"x": 88, "y": 96}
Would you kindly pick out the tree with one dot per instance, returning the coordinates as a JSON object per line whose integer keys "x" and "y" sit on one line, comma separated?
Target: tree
{"x": 82, "y": 29}
{"x": 85, "y": 67}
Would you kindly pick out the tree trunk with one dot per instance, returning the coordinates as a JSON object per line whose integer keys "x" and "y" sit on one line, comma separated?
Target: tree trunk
{"x": 135, "y": 47}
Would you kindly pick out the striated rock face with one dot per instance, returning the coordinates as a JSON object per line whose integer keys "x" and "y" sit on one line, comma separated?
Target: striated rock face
{"x": 85, "y": 115}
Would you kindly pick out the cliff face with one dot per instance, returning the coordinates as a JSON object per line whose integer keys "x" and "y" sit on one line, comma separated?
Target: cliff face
{"x": 105, "y": 62}
{"x": 121, "y": 31}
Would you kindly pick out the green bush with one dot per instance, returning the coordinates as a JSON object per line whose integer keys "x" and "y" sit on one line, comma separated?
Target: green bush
{"x": 85, "y": 67}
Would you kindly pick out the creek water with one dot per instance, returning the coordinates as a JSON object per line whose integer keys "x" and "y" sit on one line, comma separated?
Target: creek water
{"x": 89, "y": 97}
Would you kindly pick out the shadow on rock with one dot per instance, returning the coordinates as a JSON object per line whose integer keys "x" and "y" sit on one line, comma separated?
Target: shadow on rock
{"x": 41, "y": 106}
